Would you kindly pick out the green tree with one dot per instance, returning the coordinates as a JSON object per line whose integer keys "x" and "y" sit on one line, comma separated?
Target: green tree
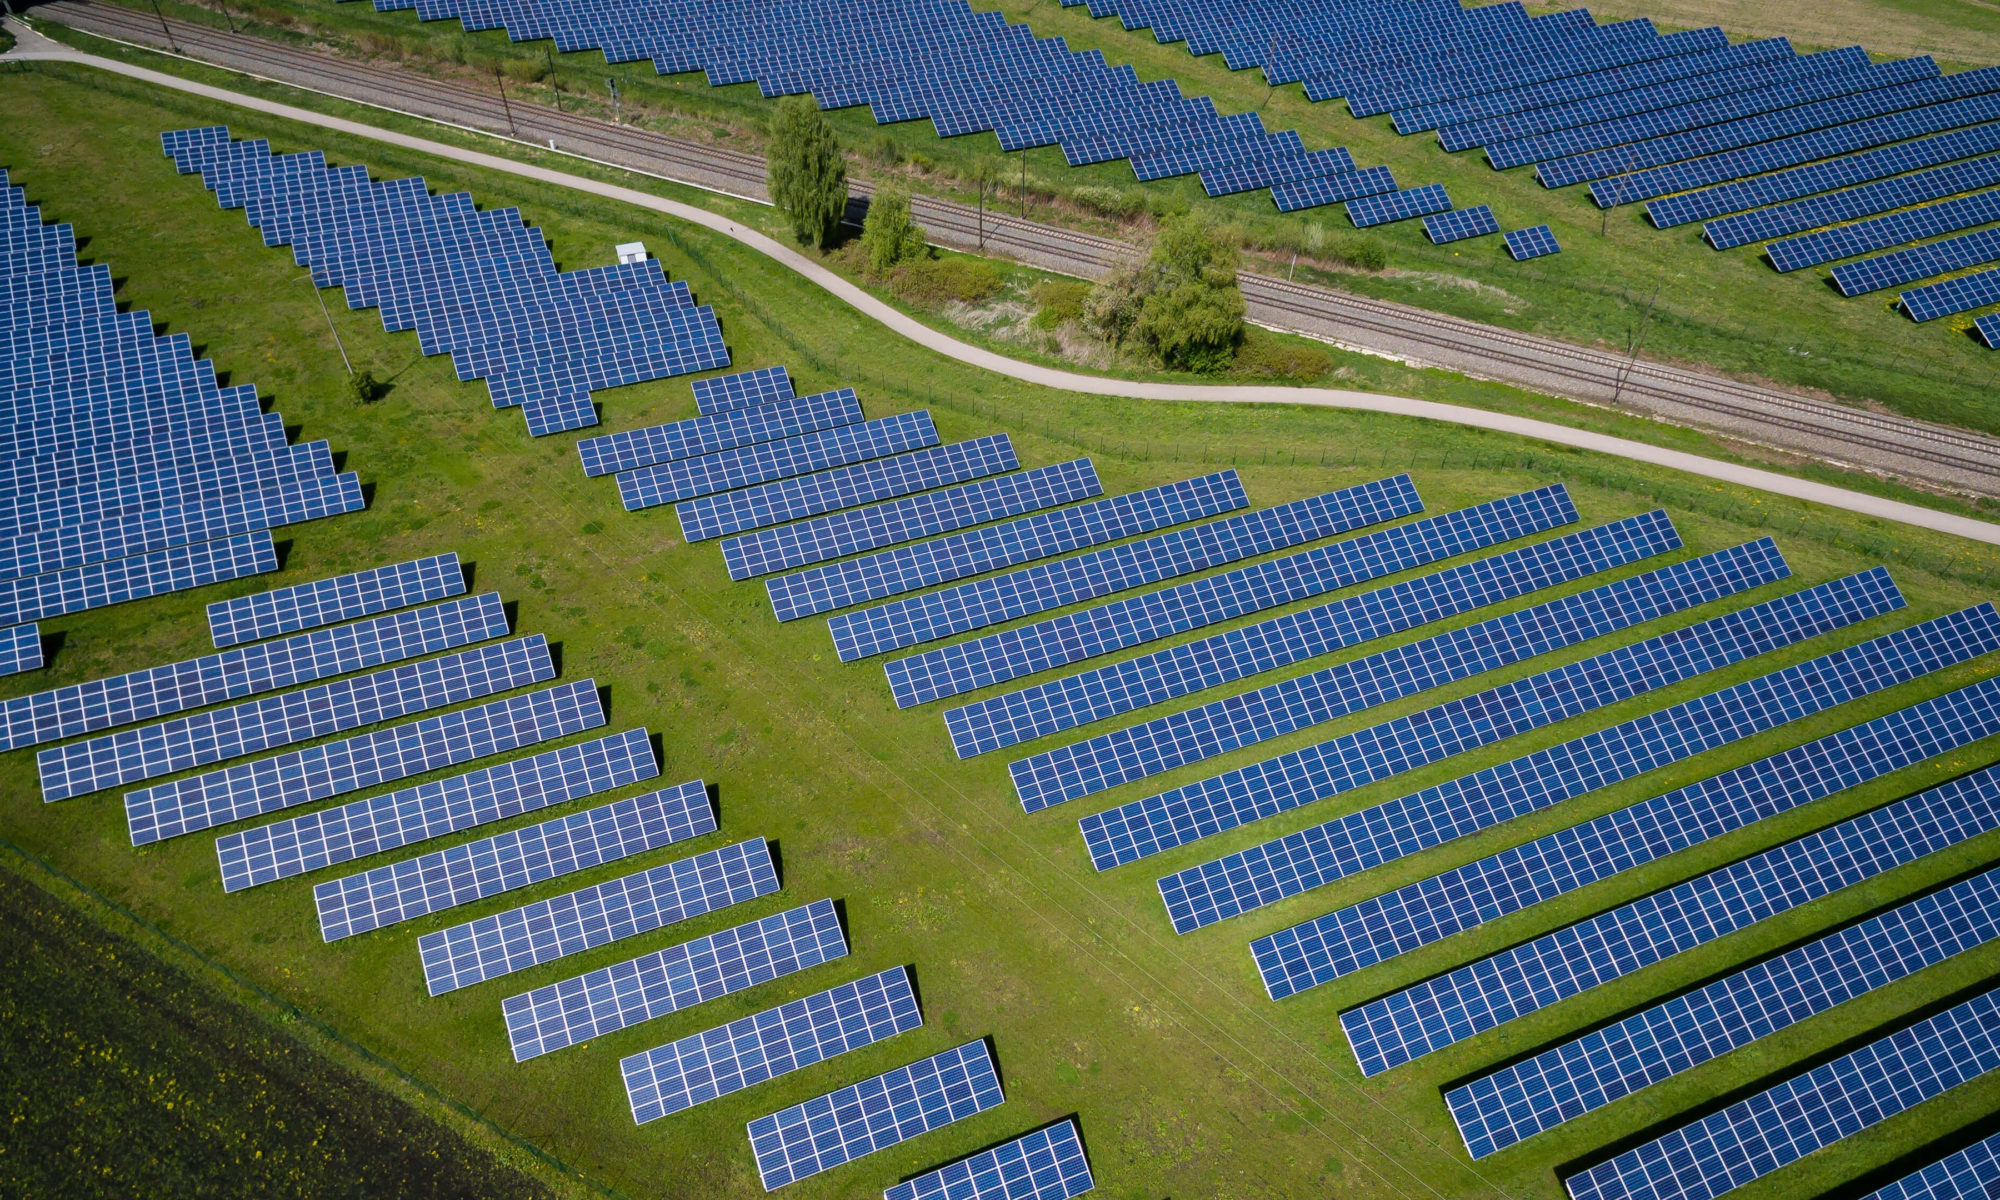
{"x": 808, "y": 177}
{"x": 1181, "y": 304}
{"x": 888, "y": 234}
{"x": 362, "y": 387}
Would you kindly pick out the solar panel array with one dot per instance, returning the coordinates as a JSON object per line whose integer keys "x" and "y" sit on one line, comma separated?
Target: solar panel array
{"x": 1845, "y": 241}
{"x": 729, "y": 1058}
{"x": 1918, "y": 262}
{"x": 129, "y": 471}
{"x": 20, "y": 649}
{"x": 872, "y": 1115}
{"x": 720, "y": 393}
{"x": 1461, "y": 225}
{"x": 1971, "y": 1174}
{"x": 245, "y": 790}
{"x": 1518, "y": 1101}
{"x": 1058, "y": 641}
{"x": 1039, "y": 588}
{"x": 219, "y": 734}
{"x": 665, "y": 981}
{"x": 1361, "y": 935}
{"x": 1813, "y": 212}
{"x": 1389, "y": 207}
{"x": 1032, "y": 712}
{"x": 333, "y": 836}
{"x": 243, "y": 671}
{"x": 925, "y": 564}
{"x": 1536, "y": 241}
{"x": 631, "y": 449}
{"x": 806, "y": 496}
{"x": 688, "y": 478}
{"x": 1755, "y": 1136}
{"x": 1146, "y": 827}
{"x": 966, "y": 71}
{"x": 1298, "y": 862}
{"x": 1247, "y": 718}
{"x": 1390, "y": 1032}
{"x": 327, "y": 601}
{"x": 1048, "y": 1164}
{"x": 854, "y": 532}
{"x": 1962, "y": 294}
{"x": 1988, "y": 330}
{"x": 478, "y": 285}
{"x": 447, "y": 878}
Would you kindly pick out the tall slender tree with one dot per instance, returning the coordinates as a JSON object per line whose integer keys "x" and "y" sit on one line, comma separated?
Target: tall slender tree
{"x": 808, "y": 177}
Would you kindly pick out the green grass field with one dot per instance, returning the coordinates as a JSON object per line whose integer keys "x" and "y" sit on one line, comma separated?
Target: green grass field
{"x": 1187, "y": 1081}
{"x": 1726, "y": 311}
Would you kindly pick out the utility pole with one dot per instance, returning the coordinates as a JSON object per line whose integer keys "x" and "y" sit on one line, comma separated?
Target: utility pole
{"x": 613, "y": 85}
{"x": 163, "y": 27}
{"x": 553, "y": 81}
{"x": 499, "y": 81}
{"x": 1632, "y": 345}
{"x": 224, "y": 6}
{"x": 1024, "y": 183}
{"x": 982, "y": 206}
{"x": 308, "y": 281}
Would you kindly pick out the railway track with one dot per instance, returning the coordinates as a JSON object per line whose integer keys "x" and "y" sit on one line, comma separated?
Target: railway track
{"x": 1929, "y": 455}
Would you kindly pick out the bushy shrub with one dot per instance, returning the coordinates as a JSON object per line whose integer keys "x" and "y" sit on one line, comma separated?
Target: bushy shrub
{"x": 1182, "y": 304}
{"x": 526, "y": 70}
{"x": 884, "y": 150}
{"x": 888, "y": 234}
{"x": 1059, "y": 302}
{"x": 936, "y": 282}
{"x": 1264, "y": 355}
{"x": 1106, "y": 201}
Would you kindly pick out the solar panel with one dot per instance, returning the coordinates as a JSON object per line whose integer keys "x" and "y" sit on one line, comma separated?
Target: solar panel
{"x": 247, "y": 671}
{"x": 1460, "y": 224}
{"x": 742, "y": 389}
{"x": 1753, "y": 1137}
{"x": 746, "y": 465}
{"x": 1145, "y": 827}
{"x": 1079, "y": 699}
{"x": 874, "y": 1114}
{"x": 461, "y": 874}
{"x": 302, "y": 776}
{"x": 1192, "y": 735}
{"x": 1962, "y": 294}
{"x": 490, "y": 947}
{"x": 696, "y": 436}
{"x": 1231, "y": 178}
{"x": 1813, "y": 212}
{"x": 217, "y": 735}
{"x": 1536, "y": 241}
{"x": 1298, "y": 194}
{"x": 1057, "y": 641}
{"x": 1971, "y": 1174}
{"x": 326, "y": 601}
{"x": 1397, "y": 206}
{"x": 1988, "y": 329}
{"x": 925, "y": 564}
{"x": 1066, "y": 581}
{"x": 1048, "y": 1164}
{"x": 336, "y": 835}
{"x": 842, "y": 534}
{"x": 1521, "y": 1100}
{"x": 99, "y": 585}
{"x": 729, "y": 1058}
{"x": 1918, "y": 262}
{"x": 20, "y": 649}
{"x": 1334, "y": 945}
{"x": 1893, "y": 230}
{"x": 847, "y": 487}
{"x": 665, "y": 981}
{"x": 1796, "y": 182}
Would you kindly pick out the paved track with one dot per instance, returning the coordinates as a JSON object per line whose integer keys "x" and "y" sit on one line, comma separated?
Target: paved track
{"x": 33, "y": 46}
{"x": 1926, "y": 454}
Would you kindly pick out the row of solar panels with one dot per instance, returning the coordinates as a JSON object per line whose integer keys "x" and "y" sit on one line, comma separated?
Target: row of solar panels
{"x": 963, "y": 70}
{"x": 341, "y": 626}
{"x": 127, "y": 472}
{"x": 1703, "y": 129}
{"x": 1507, "y": 1105}
{"x": 479, "y": 285}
